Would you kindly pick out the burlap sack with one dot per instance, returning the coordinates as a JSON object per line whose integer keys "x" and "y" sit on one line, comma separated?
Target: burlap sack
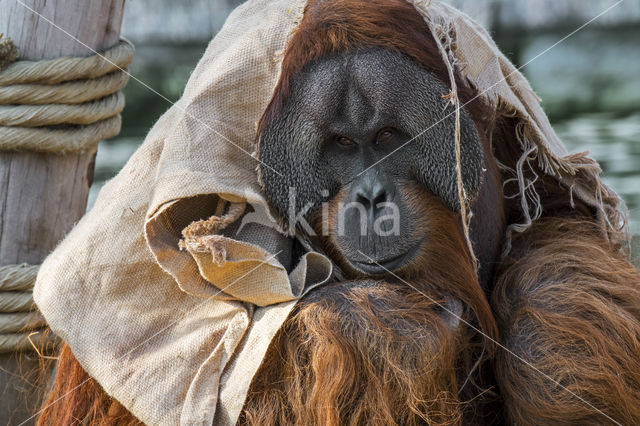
{"x": 177, "y": 335}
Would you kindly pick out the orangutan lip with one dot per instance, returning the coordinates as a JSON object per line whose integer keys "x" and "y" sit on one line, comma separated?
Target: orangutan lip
{"x": 380, "y": 267}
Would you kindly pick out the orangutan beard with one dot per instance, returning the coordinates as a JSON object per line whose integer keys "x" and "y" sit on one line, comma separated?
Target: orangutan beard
{"x": 363, "y": 352}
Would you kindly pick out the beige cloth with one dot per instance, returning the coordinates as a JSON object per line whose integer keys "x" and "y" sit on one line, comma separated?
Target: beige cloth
{"x": 173, "y": 335}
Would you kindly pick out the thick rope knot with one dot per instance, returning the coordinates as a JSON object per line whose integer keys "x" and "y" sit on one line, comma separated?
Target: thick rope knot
{"x": 62, "y": 105}
{"x": 21, "y": 325}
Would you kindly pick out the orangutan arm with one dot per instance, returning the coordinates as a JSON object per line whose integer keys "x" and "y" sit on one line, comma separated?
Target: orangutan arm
{"x": 568, "y": 305}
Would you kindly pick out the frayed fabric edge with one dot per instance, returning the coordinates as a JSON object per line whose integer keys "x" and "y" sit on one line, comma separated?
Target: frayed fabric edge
{"x": 576, "y": 172}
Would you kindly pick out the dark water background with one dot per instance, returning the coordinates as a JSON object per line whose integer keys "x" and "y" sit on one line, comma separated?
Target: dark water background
{"x": 590, "y": 86}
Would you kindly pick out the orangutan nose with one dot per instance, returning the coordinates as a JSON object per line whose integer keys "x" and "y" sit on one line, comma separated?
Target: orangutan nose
{"x": 372, "y": 192}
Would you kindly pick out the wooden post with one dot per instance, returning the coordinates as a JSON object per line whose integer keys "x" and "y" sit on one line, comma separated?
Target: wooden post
{"x": 42, "y": 196}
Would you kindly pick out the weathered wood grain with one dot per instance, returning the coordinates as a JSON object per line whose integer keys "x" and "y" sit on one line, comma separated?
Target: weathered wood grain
{"x": 42, "y": 196}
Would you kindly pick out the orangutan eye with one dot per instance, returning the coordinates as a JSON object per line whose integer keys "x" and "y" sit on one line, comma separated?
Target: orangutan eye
{"x": 384, "y": 135}
{"x": 344, "y": 141}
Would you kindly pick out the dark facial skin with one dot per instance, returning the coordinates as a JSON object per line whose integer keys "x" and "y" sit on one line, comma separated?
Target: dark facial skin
{"x": 336, "y": 140}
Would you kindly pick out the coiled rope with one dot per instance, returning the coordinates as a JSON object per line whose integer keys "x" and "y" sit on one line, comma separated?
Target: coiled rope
{"x": 56, "y": 106}
{"x": 63, "y": 105}
{"x": 18, "y": 317}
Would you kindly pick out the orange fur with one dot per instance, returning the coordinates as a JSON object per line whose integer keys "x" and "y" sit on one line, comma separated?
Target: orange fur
{"x": 360, "y": 352}
{"x": 379, "y": 351}
{"x": 568, "y": 303}
{"x": 442, "y": 262}
{"x": 77, "y": 399}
